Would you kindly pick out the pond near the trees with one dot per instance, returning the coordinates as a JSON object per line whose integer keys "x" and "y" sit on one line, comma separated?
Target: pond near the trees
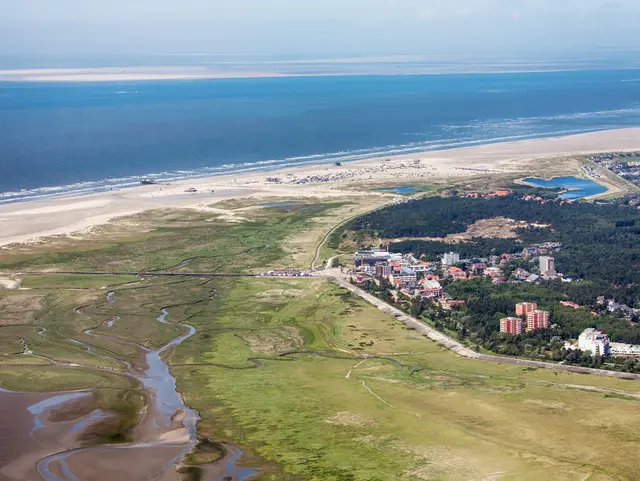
{"x": 577, "y": 188}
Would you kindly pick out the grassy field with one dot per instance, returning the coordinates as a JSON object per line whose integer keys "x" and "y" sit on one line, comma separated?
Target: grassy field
{"x": 309, "y": 381}
{"x": 408, "y": 410}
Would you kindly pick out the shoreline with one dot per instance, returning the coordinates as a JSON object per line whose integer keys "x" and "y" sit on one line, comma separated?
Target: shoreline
{"x": 258, "y": 167}
{"x": 26, "y": 221}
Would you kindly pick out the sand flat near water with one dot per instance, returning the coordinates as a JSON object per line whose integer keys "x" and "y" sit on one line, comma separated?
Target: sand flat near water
{"x": 27, "y": 221}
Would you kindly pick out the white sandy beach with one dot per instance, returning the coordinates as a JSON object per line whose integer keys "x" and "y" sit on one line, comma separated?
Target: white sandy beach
{"x": 27, "y": 221}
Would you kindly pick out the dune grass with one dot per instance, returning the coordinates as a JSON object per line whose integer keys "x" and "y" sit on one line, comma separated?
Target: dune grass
{"x": 206, "y": 242}
{"x": 409, "y": 410}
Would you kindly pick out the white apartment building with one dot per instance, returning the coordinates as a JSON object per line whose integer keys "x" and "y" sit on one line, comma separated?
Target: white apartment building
{"x": 450, "y": 259}
{"x": 595, "y": 341}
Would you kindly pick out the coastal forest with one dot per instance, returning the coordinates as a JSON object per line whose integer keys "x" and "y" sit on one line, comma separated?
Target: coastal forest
{"x": 600, "y": 241}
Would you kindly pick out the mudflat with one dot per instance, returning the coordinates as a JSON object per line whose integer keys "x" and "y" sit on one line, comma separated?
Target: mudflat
{"x": 22, "y": 441}
{"x": 131, "y": 464}
{"x": 15, "y": 426}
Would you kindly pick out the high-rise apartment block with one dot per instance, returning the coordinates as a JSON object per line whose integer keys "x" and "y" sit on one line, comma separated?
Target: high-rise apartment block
{"x": 538, "y": 320}
{"x": 511, "y": 325}
{"x": 547, "y": 266}
{"x": 524, "y": 308}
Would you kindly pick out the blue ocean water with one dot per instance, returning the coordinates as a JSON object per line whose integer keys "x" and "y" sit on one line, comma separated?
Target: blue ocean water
{"x": 578, "y": 188}
{"x": 74, "y": 137}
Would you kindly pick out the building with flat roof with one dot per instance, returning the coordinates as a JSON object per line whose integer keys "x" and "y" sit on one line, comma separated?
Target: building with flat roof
{"x": 450, "y": 258}
{"x": 538, "y": 320}
{"x": 619, "y": 349}
{"x": 384, "y": 270}
{"x": 547, "y": 266}
{"x": 524, "y": 308}
{"x": 404, "y": 275}
{"x": 595, "y": 341}
{"x": 511, "y": 325}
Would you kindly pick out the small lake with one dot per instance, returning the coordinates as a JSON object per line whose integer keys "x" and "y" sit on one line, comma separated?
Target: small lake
{"x": 578, "y": 188}
{"x": 402, "y": 189}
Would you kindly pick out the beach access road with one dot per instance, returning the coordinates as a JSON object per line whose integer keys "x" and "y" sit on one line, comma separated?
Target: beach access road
{"x": 463, "y": 351}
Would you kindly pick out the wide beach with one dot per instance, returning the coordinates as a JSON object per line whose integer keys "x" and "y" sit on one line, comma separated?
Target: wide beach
{"x": 28, "y": 221}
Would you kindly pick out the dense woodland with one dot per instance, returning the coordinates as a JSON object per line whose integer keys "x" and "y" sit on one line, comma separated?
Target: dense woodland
{"x": 601, "y": 241}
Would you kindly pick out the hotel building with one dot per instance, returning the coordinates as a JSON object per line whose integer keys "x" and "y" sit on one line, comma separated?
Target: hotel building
{"x": 595, "y": 341}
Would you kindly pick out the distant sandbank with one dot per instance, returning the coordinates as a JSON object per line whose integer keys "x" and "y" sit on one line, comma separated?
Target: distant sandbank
{"x": 123, "y": 74}
{"x": 27, "y": 221}
{"x": 270, "y": 69}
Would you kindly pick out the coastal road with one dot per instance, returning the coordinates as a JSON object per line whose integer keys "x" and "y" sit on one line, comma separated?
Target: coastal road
{"x": 462, "y": 350}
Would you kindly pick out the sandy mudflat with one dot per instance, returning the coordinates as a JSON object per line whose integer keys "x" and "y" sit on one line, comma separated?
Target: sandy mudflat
{"x": 138, "y": 464}
{"x": 392, "y": 65}
{"x": 127, "y": 74}
{"x": 27, "y": 221}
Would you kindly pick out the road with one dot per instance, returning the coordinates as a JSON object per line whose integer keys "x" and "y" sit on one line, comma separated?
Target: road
{"x": 464, "y": 351}
{"x": 316, "y": 258}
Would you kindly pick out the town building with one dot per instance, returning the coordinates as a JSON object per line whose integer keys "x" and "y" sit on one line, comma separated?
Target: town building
{"x": 421, "y": 267}
{"x": 404, "y": 276}
{"x": 520, "y": 274}
{"x": 538, "y": 320}
{"x": 547, "y": 266}
{"x": 572, "y": 305}
{"x": 494, "y": 272}
{"x": 534, "y": 279}
{"x": 456, "y": 273}
{"x": 453, "y": 303}
{"x": 450, "y": 259}
{"x": 431, "y": 289}
{"x": 595, "y": 341}
{"x": 524, "y": 308}
{"x": 384, "y": 270}
{"x": 618, "y": 349}
{"x": 511, "y": 325}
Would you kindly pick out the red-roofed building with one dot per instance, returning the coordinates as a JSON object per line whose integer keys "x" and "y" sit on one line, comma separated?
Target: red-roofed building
{"x": 570, "y": 304}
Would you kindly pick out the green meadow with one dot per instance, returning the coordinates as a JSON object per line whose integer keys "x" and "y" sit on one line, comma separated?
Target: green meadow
{"x": 308, "y": 380}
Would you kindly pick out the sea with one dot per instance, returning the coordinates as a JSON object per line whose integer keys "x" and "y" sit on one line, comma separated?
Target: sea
{"x": 62, "y": 138}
